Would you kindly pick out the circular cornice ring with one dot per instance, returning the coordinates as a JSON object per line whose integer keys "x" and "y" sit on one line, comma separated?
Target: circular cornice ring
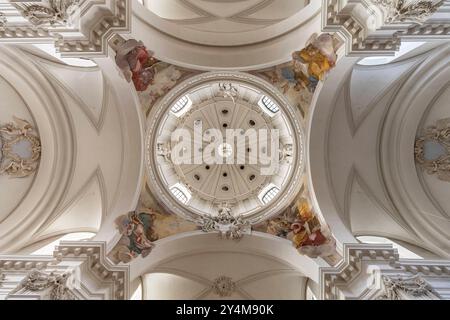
{"x": 286, "y": 196}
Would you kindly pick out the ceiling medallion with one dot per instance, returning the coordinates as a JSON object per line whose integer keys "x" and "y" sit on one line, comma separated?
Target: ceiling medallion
{"x": 432, "y": 150}
{"x": 225, "y": 150}
{"x": 224, "y": 286}
{"x": 21, "y": 149}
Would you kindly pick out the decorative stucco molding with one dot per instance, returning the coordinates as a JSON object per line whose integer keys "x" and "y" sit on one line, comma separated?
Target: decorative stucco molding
{"x": 20, "y": 149}
{"x": 78, "y": 270}
{"x": 38, "y": 281}
{"x": 410, "y": 288}
{"x": 228, "y": 91}
{"x": 159, "y": 188}
{"x": 94, "y": 256}
{"x": 403, "y": 11}
{"x": 355, "y": 30}
{"x": 376, "y": 27}
{"x": 228, "y": 226}
{"x": 223, "y": 286}
{"x": 54, "y": 20}
{"x": 435, "y": 161}
{"x": 50, "y": 12}
{"x": 362, "y": 272}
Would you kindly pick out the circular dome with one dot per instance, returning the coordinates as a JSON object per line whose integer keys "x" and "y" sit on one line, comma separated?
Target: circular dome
{"x": 224, "y": 140}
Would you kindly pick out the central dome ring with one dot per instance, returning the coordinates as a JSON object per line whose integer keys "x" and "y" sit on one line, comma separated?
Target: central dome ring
{"x": 198, "y": 189}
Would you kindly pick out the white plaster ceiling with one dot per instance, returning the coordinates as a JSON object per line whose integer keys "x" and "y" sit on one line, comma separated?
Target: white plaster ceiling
{"x": 375, "y": 115}
{"x": 237, "y": 35}
{"x": 280, "y": 253}
{"x": 225, "y": 16}
{"x": 254, "y": 276}
{"x": 86, "y": 154}
{"x": 12, "y": 191}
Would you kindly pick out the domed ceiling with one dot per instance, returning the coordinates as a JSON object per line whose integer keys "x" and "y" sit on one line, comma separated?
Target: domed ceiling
{"x": 225, "y": 141}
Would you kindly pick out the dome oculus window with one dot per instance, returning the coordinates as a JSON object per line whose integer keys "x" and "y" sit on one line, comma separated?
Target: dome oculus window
{"x": 181, "y": 106}
{"x": 268, "y": 105}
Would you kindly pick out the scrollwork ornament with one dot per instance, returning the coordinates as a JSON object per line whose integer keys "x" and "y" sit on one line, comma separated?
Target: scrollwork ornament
{"x": 437, "y": 163}
{"x": 37, "y": 281}
{"x": 228, "y": 226}
{"x": 12, "y": 162}
{"x": 398, "y": 288}
{"x": 55, "y": 12}
{"x": 404, "y": 11}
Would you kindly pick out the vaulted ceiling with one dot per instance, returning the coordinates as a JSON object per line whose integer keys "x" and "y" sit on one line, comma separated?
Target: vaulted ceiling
{"x": 364, "y": 122}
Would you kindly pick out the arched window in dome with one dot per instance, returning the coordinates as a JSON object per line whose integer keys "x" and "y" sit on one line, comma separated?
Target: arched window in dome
{"x": 181, "y": 106}
{"x": 181, "y": 193}
{"x": 268, "y": 105}
{"x": 269, "y": 194}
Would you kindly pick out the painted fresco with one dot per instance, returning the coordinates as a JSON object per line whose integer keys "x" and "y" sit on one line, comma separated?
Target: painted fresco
{"x": 140, "y": 229}
{"x": 303, "y": 227}
{"x": 151, "y": 77}
{"x": 298, "y": 79}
